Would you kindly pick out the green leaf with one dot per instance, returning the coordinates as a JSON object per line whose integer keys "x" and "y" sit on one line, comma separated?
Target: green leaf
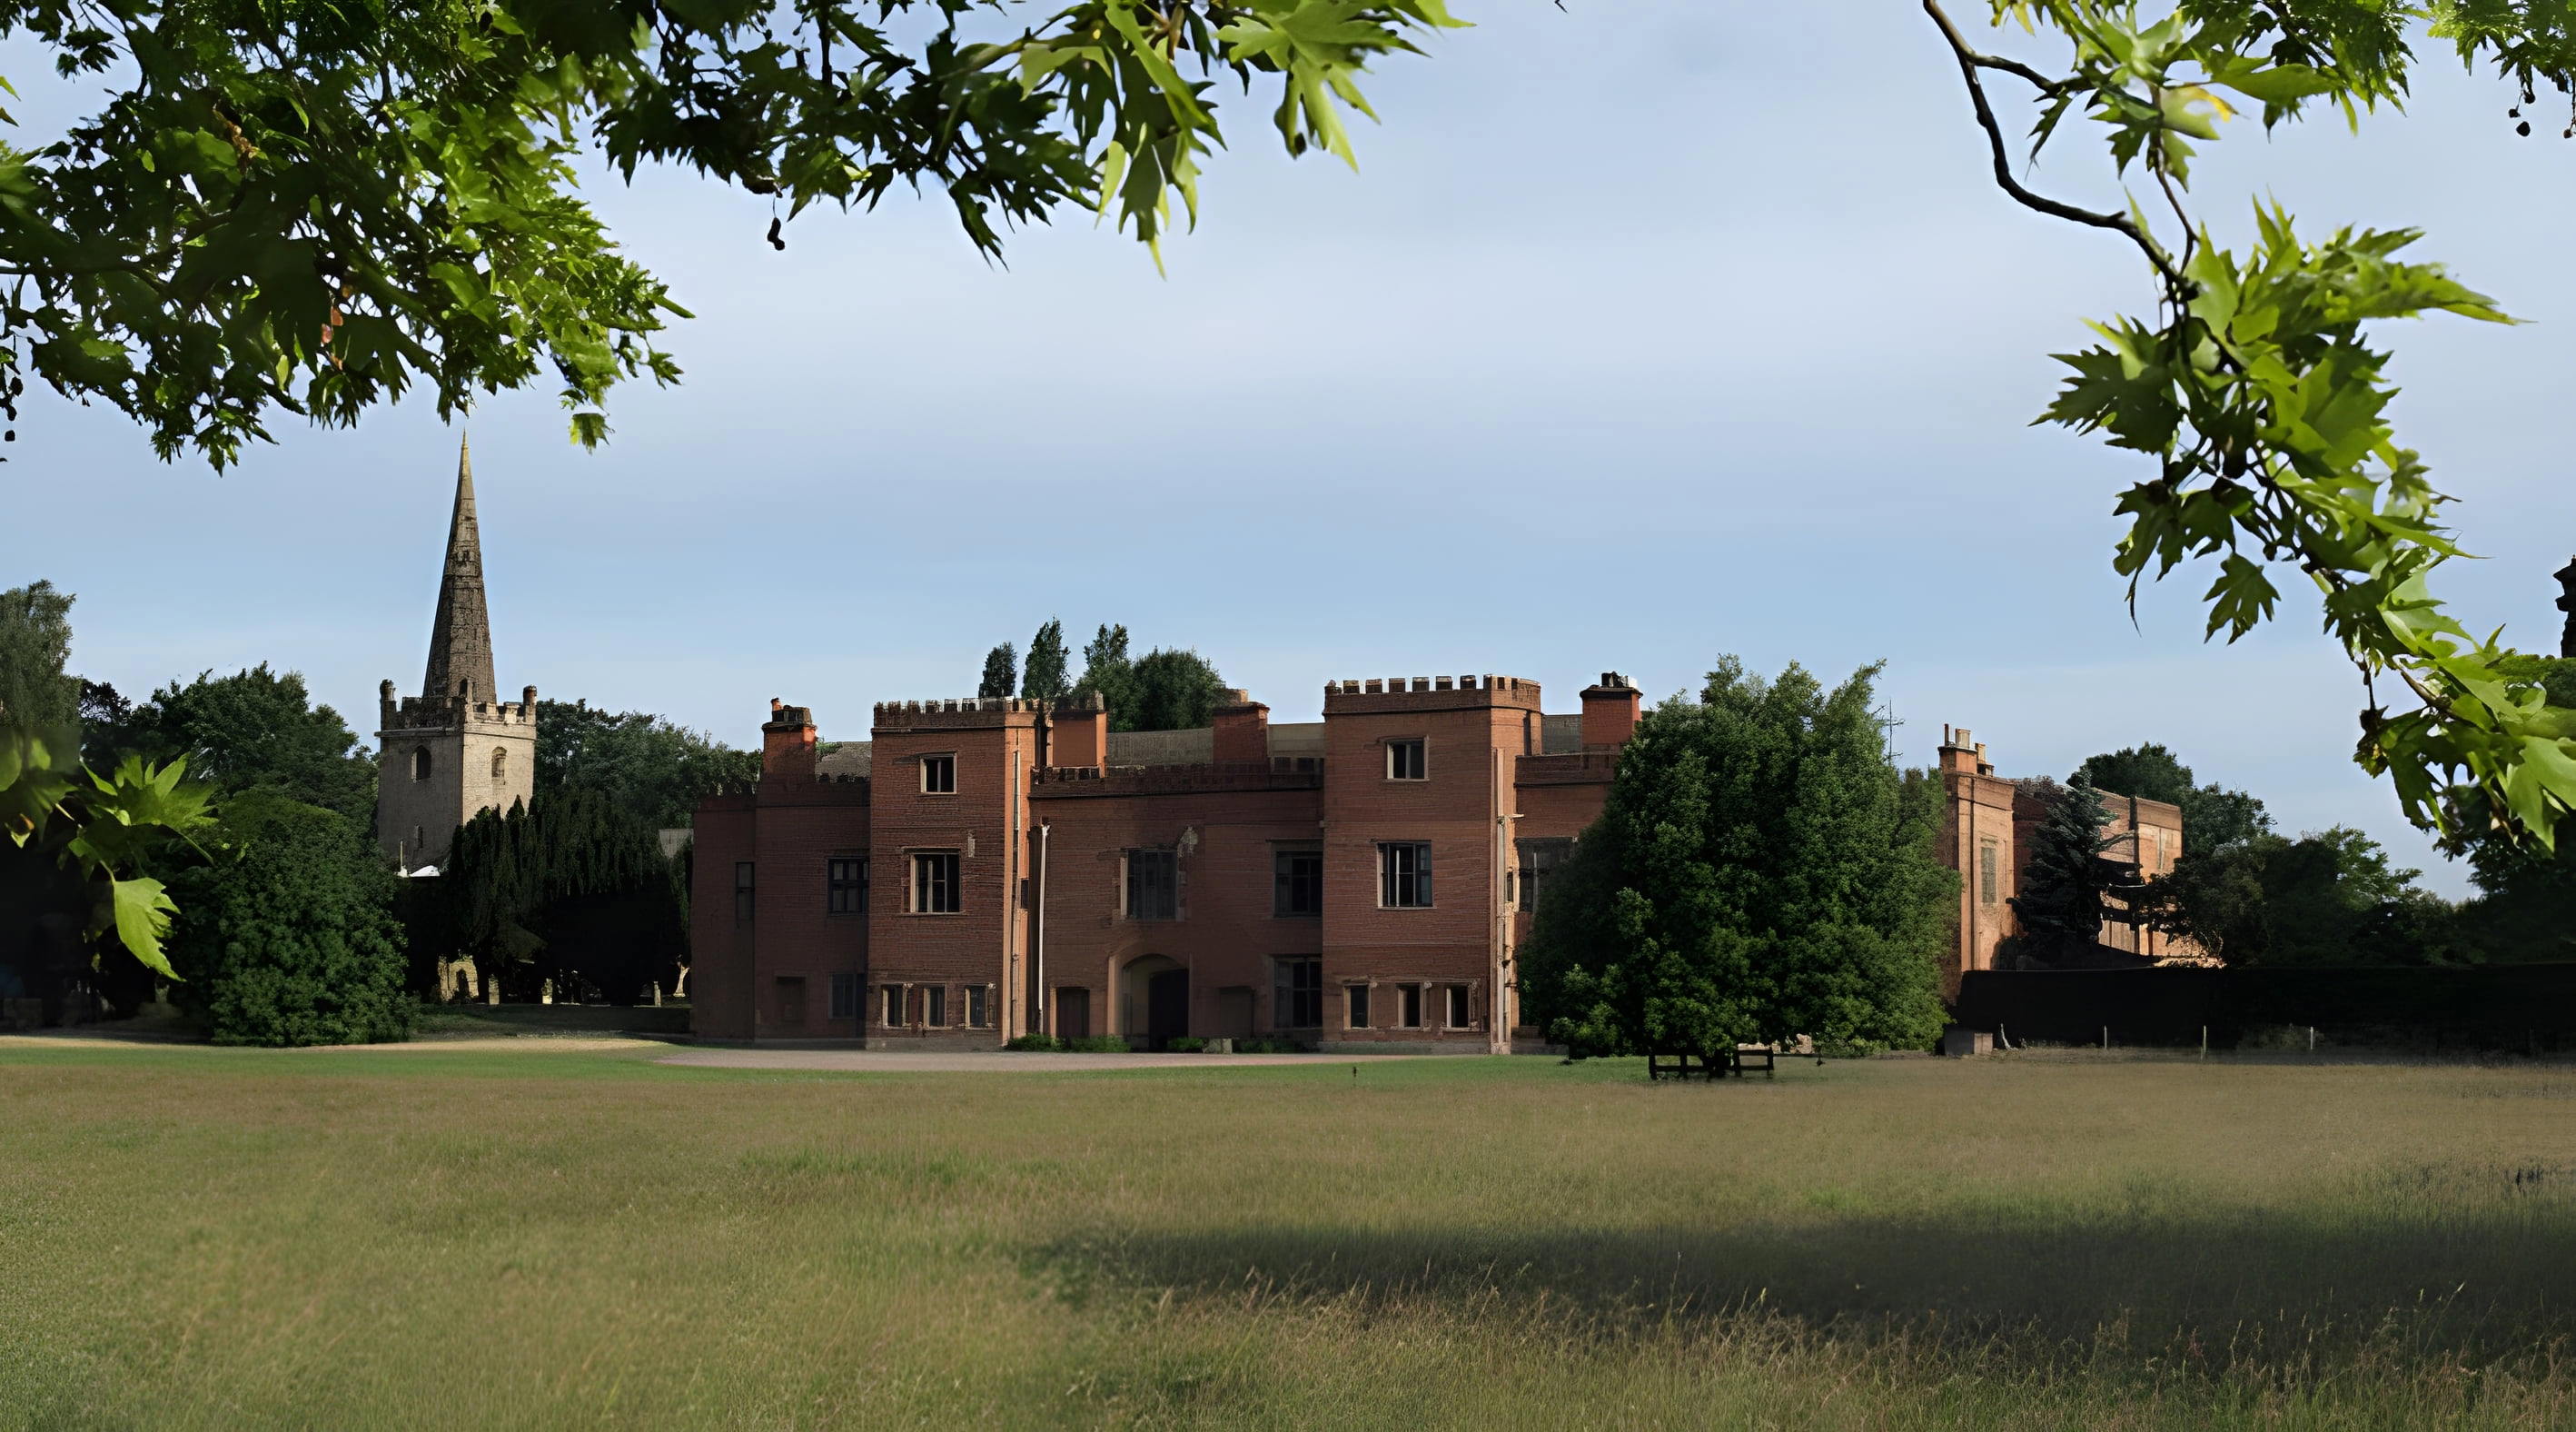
{"x": 142, "y": 911}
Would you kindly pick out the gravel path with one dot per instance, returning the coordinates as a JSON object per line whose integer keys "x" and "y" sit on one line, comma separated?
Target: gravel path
{"x": 885, "y": 1061}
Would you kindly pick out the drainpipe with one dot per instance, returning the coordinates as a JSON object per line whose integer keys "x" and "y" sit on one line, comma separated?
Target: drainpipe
{"x": 1041, "y": 1026}
{"x": 1498, "y": 1029}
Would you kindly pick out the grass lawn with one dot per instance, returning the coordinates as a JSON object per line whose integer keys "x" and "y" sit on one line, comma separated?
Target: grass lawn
{"x": 574, "y": 1238}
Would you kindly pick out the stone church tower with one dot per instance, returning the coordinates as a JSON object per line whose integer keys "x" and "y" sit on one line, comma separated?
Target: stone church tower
{"x": 454, "y": 750}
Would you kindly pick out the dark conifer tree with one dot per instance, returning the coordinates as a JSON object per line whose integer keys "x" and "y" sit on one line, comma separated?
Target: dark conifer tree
{"x": 2067, "y": 877}
{"x": 1001, "y": 671}
{"x": 1043, "y": 677}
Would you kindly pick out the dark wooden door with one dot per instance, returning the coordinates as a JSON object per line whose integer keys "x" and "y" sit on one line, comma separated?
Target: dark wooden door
{"x": 1167, "y": 1007}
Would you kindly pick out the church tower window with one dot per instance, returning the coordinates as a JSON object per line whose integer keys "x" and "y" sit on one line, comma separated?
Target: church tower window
{"x": 420, "y": 763}
{"x": 500, "y": 763}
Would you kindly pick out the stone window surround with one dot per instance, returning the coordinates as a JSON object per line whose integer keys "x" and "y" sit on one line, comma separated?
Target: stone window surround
{"x": 1393, "y": 744}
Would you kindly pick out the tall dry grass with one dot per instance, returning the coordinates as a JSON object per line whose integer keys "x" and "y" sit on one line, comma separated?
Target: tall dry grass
{"x": 199, "y": 1238}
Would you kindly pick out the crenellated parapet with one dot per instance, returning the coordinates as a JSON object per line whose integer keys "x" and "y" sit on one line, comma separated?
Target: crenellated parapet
{"x": 1428, "y": 693}
{"x": 960, "y": 713}
{"x": 453, "y": 712}
{"x": 1575, "y": 768}
{"x": 1284, "y": 773}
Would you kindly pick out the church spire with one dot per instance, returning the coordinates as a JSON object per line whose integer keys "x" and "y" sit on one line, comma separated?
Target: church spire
{"x": 460, "y": 640}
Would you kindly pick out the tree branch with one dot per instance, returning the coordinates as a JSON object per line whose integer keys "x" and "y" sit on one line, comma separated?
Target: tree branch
{"x": 1969, "y": 63}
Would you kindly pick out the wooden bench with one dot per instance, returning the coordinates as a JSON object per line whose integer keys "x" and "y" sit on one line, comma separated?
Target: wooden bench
{"x": 1741, "y": 1062}
{"x": 1684, "y": 1064}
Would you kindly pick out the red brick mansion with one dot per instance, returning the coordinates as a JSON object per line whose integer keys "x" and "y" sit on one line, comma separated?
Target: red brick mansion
{"x": 984, "y": 868}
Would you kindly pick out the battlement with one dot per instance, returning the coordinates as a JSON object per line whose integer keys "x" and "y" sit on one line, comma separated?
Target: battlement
{"x": 448, "y": 713}
{"x": 1572, "y": 768}
{"x": 960, "y": 713}
{"x": 1419, "y": 693}
{"x": 738, "y": 795}
{"x": 1283, "y": 773}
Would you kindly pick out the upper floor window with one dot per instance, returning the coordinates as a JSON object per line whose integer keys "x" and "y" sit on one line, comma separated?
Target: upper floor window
{"x": 500, "y": 763}
{"x": 845, "y": 884}
{"x": 939, "y": 775}
{"x": 1153, "y": 885}
{"x": 1539, "y": 860}
{"x": 934, "y": 882}
{"x": 1986, "y": 872}
{"x": 420, "y": 763}
{"x": 742, "y": 892}
{"x": 1297, "y": 882}
{"x": 1404, "y": 874}
{"x": 1404, "y": 760}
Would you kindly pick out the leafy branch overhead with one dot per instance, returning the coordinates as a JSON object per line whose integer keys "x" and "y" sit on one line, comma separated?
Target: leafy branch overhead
{"x": 312, "y": 208}
{"x": 2254, "y": 385}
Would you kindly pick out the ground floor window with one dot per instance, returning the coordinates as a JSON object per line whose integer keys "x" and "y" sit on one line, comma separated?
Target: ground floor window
{"x": 1358, "y": 997}
{"x": 935, "y": 1006}
{"x": 979, "y": 1010}
{"x": 890, "y": 1007}
{"x": 1297, "y": 994}
{"x": 1460, "y": 1015}
{"x": 845, "y": 996}
{"x": 1409, "y": 1006}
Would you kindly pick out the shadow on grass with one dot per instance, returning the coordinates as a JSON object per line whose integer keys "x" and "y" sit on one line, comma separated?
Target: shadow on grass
{"x": 2218, "y": 1289}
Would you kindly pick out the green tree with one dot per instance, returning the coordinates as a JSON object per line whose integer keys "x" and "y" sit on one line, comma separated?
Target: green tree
{"x": 255, "y": 730}
{"x": 2067, "y": 880}
{"x": 1001, "y": 671}
{"x": 1759, "y": 871}
{"x": 1170, "y": 690}
{"x": 571, "y": 889}
{"x": 1043, "y": 678}
{"x": 2326, "y": 898}
{"x": 655, "y": 771}
{"x": 308, "y": 210}
{"x": 35, "y": 641}
{"x": 2211, "y": 815}
{"x": 1106, "y": 670}
{"x": 2525, "y": 909}
{"x": 87, "y": 844}
{"x": 289, "y": 936}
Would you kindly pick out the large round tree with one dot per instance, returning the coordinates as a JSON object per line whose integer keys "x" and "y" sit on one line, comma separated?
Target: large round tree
{"x": 1760, "y": 871}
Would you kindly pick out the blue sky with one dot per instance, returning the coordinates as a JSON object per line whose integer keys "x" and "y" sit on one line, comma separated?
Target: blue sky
{"x": 1645, "y": 332}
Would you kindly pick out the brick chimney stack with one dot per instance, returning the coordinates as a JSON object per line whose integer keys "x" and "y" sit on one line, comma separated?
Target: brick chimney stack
{"x": 1242, "y": 729}
{"x": 1081, "y": 731}
{"x": 1609, "y": 713}
{"x": 1961, "y": 752}
{"x": 787, "y": 752}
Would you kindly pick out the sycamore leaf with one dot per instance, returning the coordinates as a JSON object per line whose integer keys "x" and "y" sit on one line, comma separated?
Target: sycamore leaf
{"x": 142, "y": 911}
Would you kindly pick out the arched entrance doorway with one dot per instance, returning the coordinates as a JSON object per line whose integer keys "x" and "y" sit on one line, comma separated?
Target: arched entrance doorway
{"x": 1154, "y": 1000}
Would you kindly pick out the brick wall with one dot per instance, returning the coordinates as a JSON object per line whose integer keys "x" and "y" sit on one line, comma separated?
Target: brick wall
{"x": 1225, "y": 824}
{"x": 1228, "y": 933}
{"x": 1471, "y": 735}
{"x": 983, "y": 821}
